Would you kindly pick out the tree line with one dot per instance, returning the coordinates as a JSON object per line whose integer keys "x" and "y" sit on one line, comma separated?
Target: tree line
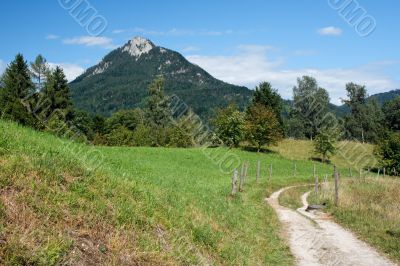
{"x": 37, "y": 96}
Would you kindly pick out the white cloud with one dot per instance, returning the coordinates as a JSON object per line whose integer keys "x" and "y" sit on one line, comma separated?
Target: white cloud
{"x": 52, "y": 37}
{"x": 182, "y": 32}
{"x": 331, "y": 31}
{"x": 92, "y": 41}
{"x": 305, "y": 52}
{"x": 71, "y": 71}
{"x": 2, "y": 66}
{"x": 189, "y": 49}
{"x": 118, "y": 31}
{"x": 250, "y": 66}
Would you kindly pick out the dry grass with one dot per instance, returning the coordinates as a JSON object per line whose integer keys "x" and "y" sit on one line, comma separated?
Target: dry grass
{"x": 350, "y": 154}
{"x": 291, "y": 197}
{"x": 371, "y": 208}
{"x": 43, "y": 222}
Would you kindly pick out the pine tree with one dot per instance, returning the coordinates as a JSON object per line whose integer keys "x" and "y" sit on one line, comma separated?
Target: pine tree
{"x": 40, "y": 71}
{"x": 158, "y": 111}
{"x": 57, "y": 95}
{"x": 17, "y": 88}
{"x": 264, "y": 94}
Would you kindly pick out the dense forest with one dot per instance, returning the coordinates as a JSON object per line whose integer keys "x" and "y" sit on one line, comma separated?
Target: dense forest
{"x": 35, "y": 95}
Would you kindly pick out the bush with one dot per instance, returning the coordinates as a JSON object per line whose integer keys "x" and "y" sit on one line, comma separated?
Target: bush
{"x": 388, "y": 152}
{"x": 120, "y": 136}
{"x": 229, "y": 125}
{"x": 180, "y": 137}
{"x": 142, "y": 136}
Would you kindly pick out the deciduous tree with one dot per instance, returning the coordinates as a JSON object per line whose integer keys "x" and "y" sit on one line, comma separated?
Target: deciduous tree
{"x": 261, "y": 126}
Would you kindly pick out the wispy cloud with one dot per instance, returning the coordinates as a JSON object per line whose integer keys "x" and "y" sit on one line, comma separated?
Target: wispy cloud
{"x": 190, "y": 49}
{"x": 103, "y": 42}
{"x": 71, "y": 71}
{"x": 304, "y": 52}
{"x": 52, "y": 37}
{"x": 175, "y": 32}
{"x": 118, "y": 31}
{"x": 248, "y": 67}
{"x": 330, "y": 31}
{"x": 2, "y": 66}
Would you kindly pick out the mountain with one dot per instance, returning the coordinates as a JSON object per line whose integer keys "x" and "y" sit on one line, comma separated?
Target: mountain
{"x": 121, "y": 79}
{"x": 384, "y": 97}
{"x": 381, "y": 98}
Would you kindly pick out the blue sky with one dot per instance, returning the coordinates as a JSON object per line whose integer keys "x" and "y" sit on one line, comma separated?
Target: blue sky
{"x": 239, "y": 42}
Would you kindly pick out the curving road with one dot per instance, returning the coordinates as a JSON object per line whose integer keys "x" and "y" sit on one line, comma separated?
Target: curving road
{"x": 315, "y": 239}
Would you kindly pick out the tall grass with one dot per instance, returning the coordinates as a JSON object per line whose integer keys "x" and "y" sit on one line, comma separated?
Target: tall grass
{"x": 370, "y": 207}
{"x": 349, "y": 154}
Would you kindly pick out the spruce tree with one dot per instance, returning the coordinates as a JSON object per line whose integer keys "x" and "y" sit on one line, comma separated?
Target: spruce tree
{"x": 57, "y": 95}
{"x": 16, "y": 92}
{"x": 265, "y": 95}
{"x": 158, "y": 111}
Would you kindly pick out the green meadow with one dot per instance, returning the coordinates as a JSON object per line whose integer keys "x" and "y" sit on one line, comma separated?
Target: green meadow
{"x": 65, "y": 202}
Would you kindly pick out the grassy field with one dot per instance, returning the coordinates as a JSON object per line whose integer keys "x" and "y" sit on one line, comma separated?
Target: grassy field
{"x": 143, "y": 205}
{"x": 349, "y": 155}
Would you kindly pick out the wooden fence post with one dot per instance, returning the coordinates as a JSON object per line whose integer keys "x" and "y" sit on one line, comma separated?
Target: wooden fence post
{"x": 379, "y": 172}
{"x": 234, "y": 182}
{"x": 258, "y": 170}
{"x": 295, "y": 170}
{"x": 316, "y": 185}
{"x": 360, "y": 173}
{"x": 384, "y": 172}
{"x": 241, "y": 183}
{"x": 270, "y": 172}
{"x": 245, "y": 170}
{"x": 314, "y": 171}
{"x": 336, "y": 177}
{"x": 242, "y": 169}
{"x": 325, "y": 186}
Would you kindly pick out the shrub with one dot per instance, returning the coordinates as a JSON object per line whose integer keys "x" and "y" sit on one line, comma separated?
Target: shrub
{"x": 388, "y": 152}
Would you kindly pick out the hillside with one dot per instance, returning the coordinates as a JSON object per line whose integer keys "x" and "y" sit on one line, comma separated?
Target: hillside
{"x": 381, "y": 98}
{"x": 385, "y": 96}
{"x": 144, "y": 205}
{"x": 121, "y": 79}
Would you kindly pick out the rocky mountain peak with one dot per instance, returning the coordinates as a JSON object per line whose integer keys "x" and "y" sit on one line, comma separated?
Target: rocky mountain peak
{"x": 138, "y": 46}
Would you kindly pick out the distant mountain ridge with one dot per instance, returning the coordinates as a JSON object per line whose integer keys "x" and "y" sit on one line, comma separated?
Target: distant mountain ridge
{"x": 121, "y": 79}
{"x": 381, "y": 98}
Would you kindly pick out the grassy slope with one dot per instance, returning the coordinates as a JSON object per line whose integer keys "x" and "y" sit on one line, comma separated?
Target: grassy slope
{"x": 145, "y": 205}
{"x": 349, "y": 154}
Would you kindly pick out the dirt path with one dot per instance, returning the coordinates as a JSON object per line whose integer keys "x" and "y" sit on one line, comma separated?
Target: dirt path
{"x": 315, "y": 239}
